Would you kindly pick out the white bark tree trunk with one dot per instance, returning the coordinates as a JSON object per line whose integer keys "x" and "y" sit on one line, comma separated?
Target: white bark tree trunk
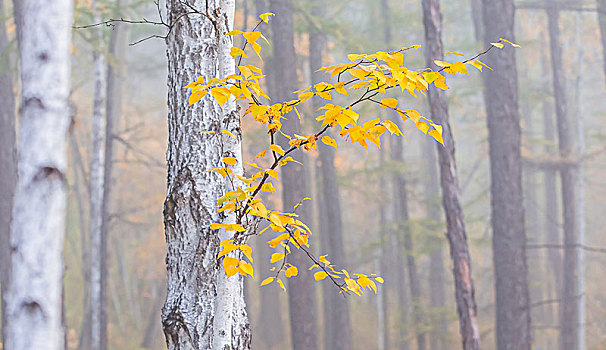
{"x": 97, "y": 191}
{"x": 203, "y": 309}
{"x": 34, "y": 296}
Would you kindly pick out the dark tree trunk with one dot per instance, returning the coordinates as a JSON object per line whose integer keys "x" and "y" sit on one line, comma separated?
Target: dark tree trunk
{"x": 509, "y": 237}
{"x": 569, "y": 304}
{"x": 451, "y": 194}
{"x": 337, "y": 326}
{"x": 8, "y": 159}
{"x": 301, "y": 294}
{"x": 476, "y": 16}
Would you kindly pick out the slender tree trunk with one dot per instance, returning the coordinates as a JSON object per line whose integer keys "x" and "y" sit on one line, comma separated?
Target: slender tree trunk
{"x": 301, "y": 294}
{"x": 580, "y": 187}
{"x": 8, "y": 159}
{"x": 336, "y": 308}
{"x": 451, "y": 194}
{"x": 203, "y": 308}
{"x": 509, "y": 237}
{"x": 385, "y": 264}
{"x": 551, "y": 226}
{"x": 98, "y": 335}
{"x": 113, "y": 110}
{"x": 602, "y": 22}
{"x": 34, "y": 299}
{"x": 569, "y": 304}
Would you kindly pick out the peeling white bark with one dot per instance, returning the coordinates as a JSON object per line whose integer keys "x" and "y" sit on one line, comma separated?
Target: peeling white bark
{"x": 203, "y": 310}
{"x": 34, "y": 296}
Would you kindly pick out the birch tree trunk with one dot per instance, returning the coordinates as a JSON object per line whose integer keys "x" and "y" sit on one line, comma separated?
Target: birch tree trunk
{"x": 34, "y": 297}
{"x": 8, "y": 170}
{"x": 509, "y": 236}
{"x": 301, "y": 290}
{"x": 569, "y": 303}
{"x": 451, "y": 193}
{"x": 98, "y": 255}
{"x": 203, "y": 309}
{"x": 337, "y": 325}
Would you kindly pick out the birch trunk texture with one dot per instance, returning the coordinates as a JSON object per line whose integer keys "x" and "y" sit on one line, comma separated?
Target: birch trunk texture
{"x": 337, "y": 325}
{"x": 301, "y": 290}
{"x": 451, "y": 193}
{"x": 203, "y": 309}
{"x": 507, "y": 215}
{"x": 35, "y": 292}
{"x": 8, "y": 159}
{"x": 97, "y": 165}
{"x": 569, "y": 303}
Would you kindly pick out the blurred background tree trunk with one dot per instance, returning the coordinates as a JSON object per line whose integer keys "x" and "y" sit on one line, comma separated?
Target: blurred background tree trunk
{"x": 301, "y": 290}
{"x": 507, "y": 215}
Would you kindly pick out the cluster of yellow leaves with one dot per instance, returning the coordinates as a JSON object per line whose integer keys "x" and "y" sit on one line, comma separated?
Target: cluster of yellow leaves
{"x": 368, "y": 74}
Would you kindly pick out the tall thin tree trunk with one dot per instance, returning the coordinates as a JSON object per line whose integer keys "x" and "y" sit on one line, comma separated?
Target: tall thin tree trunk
{"x": 451, "y": 194}
{"x": 384, "y": 263}
{"x": 580, "y": 187}
{"x": 551, "y": 226}
{"x": 8, "y": 170}
{"x": 203, "y": 308}
{"x": 336, "y": 308}
{"x": 301, "y": 295}
{"x": 476, "y": 17}
{"x": 98, "y": 336}
{"x": 507, "y": 215}
{"x": 34, "y": 299}
{"x": 569, "y": 304}
{"x": 113, "y": 110}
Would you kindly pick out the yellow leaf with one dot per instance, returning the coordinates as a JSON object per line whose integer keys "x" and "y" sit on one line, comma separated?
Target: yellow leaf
{"x": 265, "y": 16}
{"x": 228, "y": 133}
{"x": 339, "y": 87}
{"x": 437, "y": 133}
{"x": 440, "y": 82}
{"x": 441, "y": 63}
{"x": 430, "y": 76}
{"x": 454, "y": 53}
{"x": 329, "y": 141}
{"x": 306, "y": 96}
{"x": 230, "y": 265}
{"x": 268, "y": 187}
{"x": 458, "y": 67}
{"x": 236, "y": 51}
{"x": 320, "y": 275}
{"x": 281, "y": 285}
{"x": 230, "y": 160}
{"x": 392, "y": 127}
{"x": 276, "y": 257}
{"x": 389, "y": 102}
{"x": 196, "y": 96}
{"x": 267, "y": 281}
{"x": 234, "y": 32}
{"x": 509, "y": 42}
{"x": 324, "y": 260}
{"x": 379, "y": 279}
{"x": 277, "y": 149}
{"x": 261, "y": 154}
{"x": 476, "y": 64}
{"x": 499, "y": 45}
{"x": 273, "y": 173}
{"x": 245, "y": 268}
{"x": 220, "y": 94}
{"x": 247, "y": 251}
{"x": 291, "y": 271}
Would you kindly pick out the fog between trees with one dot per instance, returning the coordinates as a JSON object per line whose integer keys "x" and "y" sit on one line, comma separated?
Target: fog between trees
{"x": 490, "y": 241}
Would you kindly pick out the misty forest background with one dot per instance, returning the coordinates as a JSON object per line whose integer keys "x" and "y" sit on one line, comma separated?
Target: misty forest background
{"x": 396, "y": 317}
